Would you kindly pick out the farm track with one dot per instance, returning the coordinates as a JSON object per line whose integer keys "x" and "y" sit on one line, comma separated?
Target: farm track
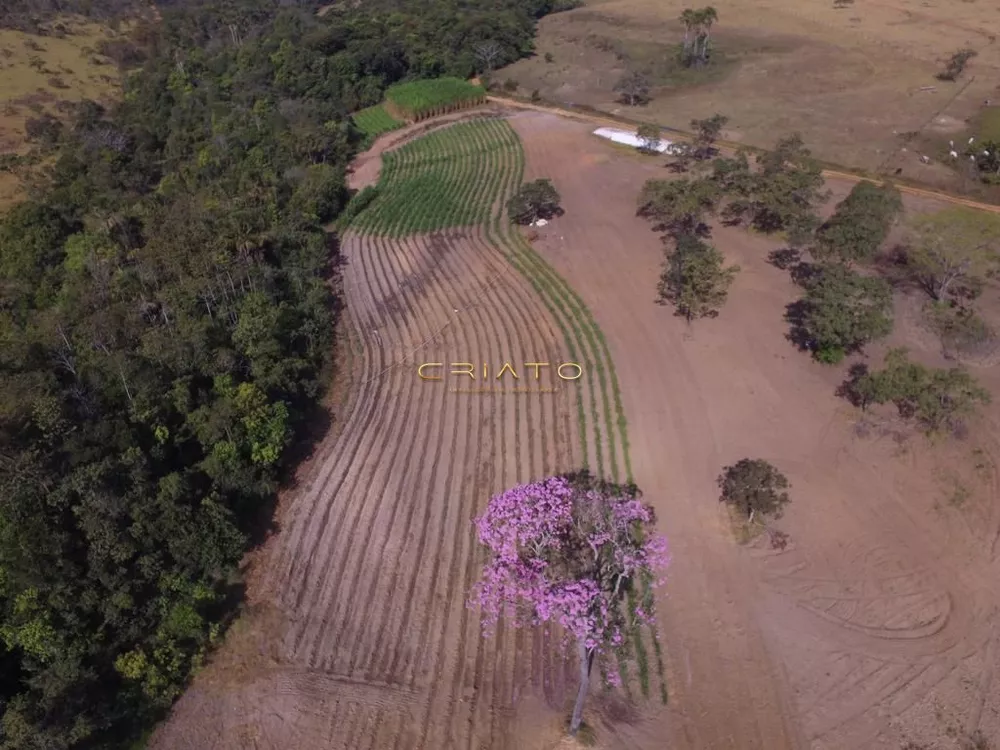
{"x": 833, "y": 174}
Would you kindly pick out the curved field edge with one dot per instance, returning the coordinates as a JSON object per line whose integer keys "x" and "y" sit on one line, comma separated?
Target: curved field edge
{"x": 464, "y": 157}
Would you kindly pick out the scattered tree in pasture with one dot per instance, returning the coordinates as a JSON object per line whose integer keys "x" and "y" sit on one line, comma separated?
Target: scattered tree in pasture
{"x": 860, "y": 223}
{"x": 956, "y": 64}
{"x": 936, "y": 398}
{"x": 707, "y": 132}
{"x": 694, "y": 279}
{"x": 535, "y": 200}
{"x": 696, "y": 49}
{"x": 633, "y": 88}
{"x": 753, "y": 487}
{"x": 649, "y": 137}
{"x": 841, "y": 312}
{"x": 678, "y": 206}
{"x": 780, "y": 196}
{"x": 569, "y": 549}
{"x": 953, "y": 251}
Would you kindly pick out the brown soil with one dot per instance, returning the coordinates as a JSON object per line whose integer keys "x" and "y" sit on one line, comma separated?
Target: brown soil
{"x": 875, "y": 626}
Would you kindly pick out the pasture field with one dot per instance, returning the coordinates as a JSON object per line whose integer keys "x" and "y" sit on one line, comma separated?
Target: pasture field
{"x": 38, "y": 74}
{"x": 875, "y": 627}
{"x": 848, "y": 78}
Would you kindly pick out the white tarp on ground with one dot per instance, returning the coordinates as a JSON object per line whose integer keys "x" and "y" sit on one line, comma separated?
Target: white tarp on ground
{"x": 629, "y": 138}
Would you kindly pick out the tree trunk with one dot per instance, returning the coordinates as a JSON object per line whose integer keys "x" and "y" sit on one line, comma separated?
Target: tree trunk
{"x": 586, "y": 661}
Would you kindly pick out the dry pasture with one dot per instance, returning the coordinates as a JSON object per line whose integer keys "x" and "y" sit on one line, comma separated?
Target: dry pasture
{"x": 38, "y": 73}
{"x": 847, "y": 78}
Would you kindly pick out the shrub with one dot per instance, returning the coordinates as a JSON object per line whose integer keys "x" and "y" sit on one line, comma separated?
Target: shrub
{"x": 956, "y": 64}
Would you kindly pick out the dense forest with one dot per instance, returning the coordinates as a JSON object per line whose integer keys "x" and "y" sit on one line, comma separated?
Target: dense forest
{"x": 168, "y": 304}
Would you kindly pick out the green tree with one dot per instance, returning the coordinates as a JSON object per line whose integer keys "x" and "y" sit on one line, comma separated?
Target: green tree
{"x": 937, "y": 398}
{"x": 953, "y": 251}
{"x": 694, "y": 279}
{"x": 860, "y": 223}
{"x": 781, "y": 195}
{"x": 534, "y": 200}
{"x": 678, "y": 206}
{"x": 753, "y": 487}
{"x": 841, "y": 312}
{"x": 696, "y": 49}
{"x": 649, "y": 137}
{"x": 707, "y": 132}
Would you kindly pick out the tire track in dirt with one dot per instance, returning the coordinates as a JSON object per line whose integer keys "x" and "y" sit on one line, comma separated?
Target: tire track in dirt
{"x": 369, "y": 584}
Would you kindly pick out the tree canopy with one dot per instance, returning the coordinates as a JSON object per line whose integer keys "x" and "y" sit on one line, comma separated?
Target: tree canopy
{"x": 841, "y": 312}
{"x": 936, "y": 398}
{"x": 780, "y": 195}
{"x": 860, "y": 223}
{"x": 694, "y": 279}
{"x": 569, "y": 549}
{"x": 752, "y": 486}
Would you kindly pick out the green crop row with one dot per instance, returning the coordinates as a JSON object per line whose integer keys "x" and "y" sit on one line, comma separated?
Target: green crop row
{"x": 374, "y": 121}
{"x": 436, "y": 182}
{"x": 416, "y": 100}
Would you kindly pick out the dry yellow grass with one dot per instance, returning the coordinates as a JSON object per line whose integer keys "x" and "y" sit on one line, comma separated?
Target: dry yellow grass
{"x": 845, "y": 78}
{"x": 37, "y": 73}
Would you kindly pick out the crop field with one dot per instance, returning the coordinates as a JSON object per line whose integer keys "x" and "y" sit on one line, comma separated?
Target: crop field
{"x": 374, "y": 121}
{"x": 855, "y": 80}
{"x": 417, "y": 100}
{"x": 38, "y": 73}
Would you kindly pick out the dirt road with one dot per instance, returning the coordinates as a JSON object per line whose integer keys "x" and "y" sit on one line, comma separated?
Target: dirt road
{"x": 832, "y": 175}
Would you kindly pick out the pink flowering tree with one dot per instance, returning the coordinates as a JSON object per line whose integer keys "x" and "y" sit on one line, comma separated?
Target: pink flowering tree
{"x": 568, "y": 549}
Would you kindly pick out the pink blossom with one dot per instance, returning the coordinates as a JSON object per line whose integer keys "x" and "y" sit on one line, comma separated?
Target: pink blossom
{"x": 564, "y": 553}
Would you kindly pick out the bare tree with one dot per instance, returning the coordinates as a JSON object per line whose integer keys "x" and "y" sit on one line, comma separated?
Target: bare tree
{"x": 487, "y": 53}
{"x": 633, "y": 88}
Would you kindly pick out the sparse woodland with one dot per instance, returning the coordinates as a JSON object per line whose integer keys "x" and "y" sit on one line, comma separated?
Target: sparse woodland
{"x": 848, "y": 298}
